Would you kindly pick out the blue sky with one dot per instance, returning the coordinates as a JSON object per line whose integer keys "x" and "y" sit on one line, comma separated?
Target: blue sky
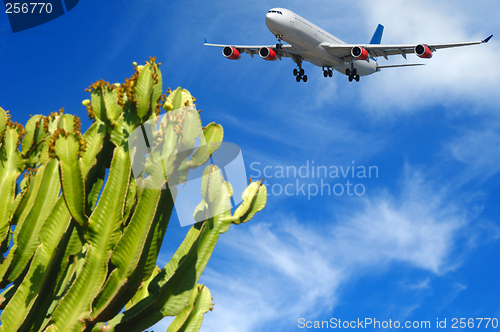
{"x": 421, "y": 243}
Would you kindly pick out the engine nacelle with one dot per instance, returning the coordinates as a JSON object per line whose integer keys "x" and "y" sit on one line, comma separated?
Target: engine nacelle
{"x": 359, "y": 53}
{"x": 423, "y": 51}
{"x": 268, "y": 54}
{"x": 231, "y": 53}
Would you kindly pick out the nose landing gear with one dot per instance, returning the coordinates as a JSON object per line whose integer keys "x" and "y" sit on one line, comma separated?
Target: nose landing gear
{"x": 279, "y": 45}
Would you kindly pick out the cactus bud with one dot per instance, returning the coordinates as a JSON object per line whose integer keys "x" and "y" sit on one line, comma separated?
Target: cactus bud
{"x": 86, "y": 102}
{"x": 167, "y": 105}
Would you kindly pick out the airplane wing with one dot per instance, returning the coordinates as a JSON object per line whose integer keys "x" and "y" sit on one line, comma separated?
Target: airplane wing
{"x": 286, "y": 51}
{"x": 375, "y": 50}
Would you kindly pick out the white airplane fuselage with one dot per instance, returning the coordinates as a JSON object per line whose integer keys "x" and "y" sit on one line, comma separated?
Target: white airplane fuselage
{"x": 307, "y": 38}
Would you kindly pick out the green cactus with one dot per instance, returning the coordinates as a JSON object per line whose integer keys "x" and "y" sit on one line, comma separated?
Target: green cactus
{"x": 80, "y": 248}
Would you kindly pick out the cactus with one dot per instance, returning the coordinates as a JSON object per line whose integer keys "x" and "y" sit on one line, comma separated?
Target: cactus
{"x": 82, "y": 230}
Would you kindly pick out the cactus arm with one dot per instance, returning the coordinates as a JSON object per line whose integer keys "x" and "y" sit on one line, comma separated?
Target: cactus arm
{"x": 27, "y": 240}
{"x": 67, "y": 148}
{"x": 3, "y": 120}
{"x": 148, "y": 89}
{"x": 94, "y": 138}
{"x": 34, "y": 133}
{"x": 57, "y": 279}
{"x": 50, "y": 236}
{"x": 113, "y": 110}
{"x": 213, "y": 136}
{"x": 191, "y": 317}
{"x": 104, "y": 230}
{"x": 97, "y": 104}
{"x": 11, "y": 165}
{"x": 254, "y": 199}
{"x": 127, "y": 252}
{"x": 67, "y": 275}
{"x": 153, "y": 244}
{"x": 94, "y": 180}
{"x": 146, "y": 253}
{"x": 20, "y": 200}
{"x": 6, "y": 267}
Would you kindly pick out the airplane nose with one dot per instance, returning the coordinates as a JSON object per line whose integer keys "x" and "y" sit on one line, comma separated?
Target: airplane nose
{"x": 273, "y": 21}
{"x": 269, "y": 19}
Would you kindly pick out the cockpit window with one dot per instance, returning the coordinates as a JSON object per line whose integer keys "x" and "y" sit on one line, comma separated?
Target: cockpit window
{"x": 275, "y": 11}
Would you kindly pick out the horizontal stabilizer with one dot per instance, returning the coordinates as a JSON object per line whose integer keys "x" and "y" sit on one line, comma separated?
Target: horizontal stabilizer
{"x": 403, "y": 65}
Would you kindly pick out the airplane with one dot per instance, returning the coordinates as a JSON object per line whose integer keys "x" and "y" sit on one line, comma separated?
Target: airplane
{"x": 308, "y": 42}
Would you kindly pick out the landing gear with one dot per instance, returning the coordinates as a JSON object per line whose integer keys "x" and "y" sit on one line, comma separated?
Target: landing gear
{"x": 352, "y": 73}
{"x": 327, "y": 72}
{"x": 279, "y": 45}
{"x": 299, "y": 73}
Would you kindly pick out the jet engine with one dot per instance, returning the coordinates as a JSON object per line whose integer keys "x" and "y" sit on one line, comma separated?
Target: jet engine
{"x": 231, "y": 53}
{"x": 267, "y": 53}
{"x": 359, "y": 53}
{"x": 423, "y": 51}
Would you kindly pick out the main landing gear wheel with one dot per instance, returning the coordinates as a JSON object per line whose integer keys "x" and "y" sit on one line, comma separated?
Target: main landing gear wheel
{"x": 353, "y": 77}
{"x": 303, "y": 78}
{"x": 353, "y": 74}
{"x": 299, "y": 73}
{"x": 327, "y": 72}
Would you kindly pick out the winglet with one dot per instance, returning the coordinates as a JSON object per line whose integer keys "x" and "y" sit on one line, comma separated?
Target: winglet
{"x": 487, "y": 39}
{"x": 205, "y": 41}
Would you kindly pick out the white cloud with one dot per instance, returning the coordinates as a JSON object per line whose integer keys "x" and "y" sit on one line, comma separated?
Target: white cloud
{"x": 462, "y": 75}
{"x": 276, "y": 273}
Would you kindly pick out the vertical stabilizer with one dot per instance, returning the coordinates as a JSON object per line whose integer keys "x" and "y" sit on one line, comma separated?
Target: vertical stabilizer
{"x": 377, "y": 36}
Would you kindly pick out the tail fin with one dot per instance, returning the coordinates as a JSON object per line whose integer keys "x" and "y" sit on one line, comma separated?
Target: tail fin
{"x": 377, "y": 36}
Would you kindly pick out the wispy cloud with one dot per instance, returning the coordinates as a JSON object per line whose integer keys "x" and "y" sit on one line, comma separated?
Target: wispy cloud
{"x": 279, "y": 271}
{"x": 479, "y": 150}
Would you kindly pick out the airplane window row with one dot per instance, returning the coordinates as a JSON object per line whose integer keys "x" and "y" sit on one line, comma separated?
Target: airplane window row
{"x": 275, "y": 11}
